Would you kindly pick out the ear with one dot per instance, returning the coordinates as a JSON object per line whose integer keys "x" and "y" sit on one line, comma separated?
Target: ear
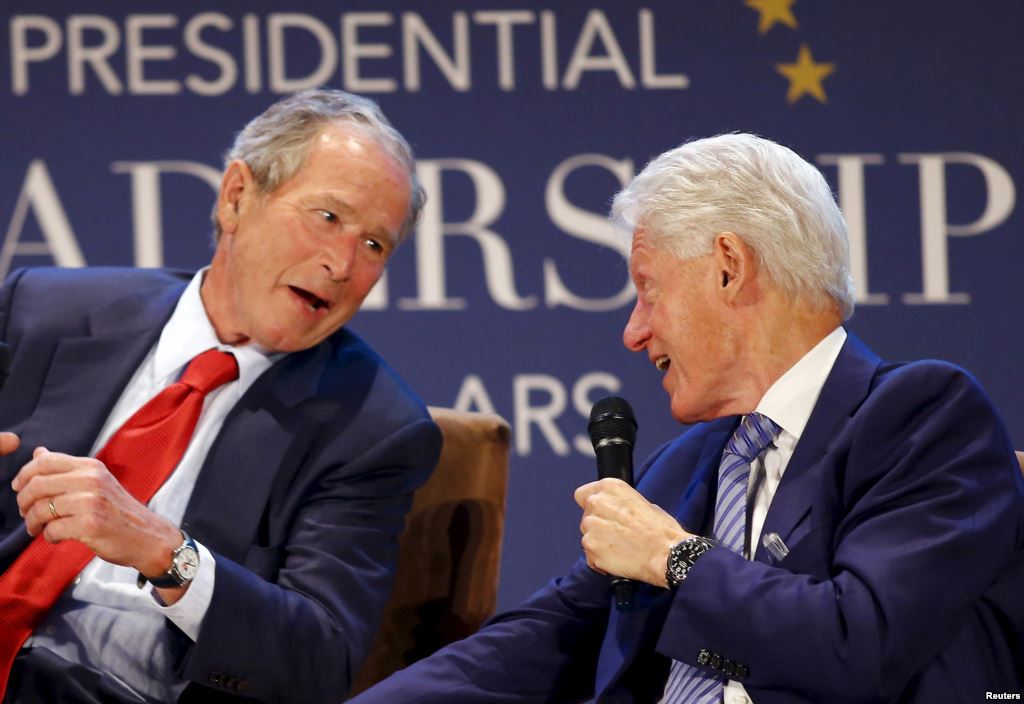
{"x": 236, "y": 186}
{"x": 735, "y": 264}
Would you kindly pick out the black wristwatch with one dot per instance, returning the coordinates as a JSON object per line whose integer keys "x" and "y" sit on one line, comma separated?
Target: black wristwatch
{"x": 184, "y": 565}
{"x": 682, "y": 556}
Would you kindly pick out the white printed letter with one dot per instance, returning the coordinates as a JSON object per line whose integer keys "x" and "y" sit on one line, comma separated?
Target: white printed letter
{"x": 935, "y": 225}
{"x": 39, "y": 193}
{"x": 429, "y": 241}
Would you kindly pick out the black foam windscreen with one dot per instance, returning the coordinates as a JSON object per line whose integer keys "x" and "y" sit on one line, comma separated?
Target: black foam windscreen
{"x": 612, "y": 417}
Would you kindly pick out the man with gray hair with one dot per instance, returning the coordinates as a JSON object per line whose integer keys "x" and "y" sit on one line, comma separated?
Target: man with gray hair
{"x": 833, "y": 528}
{"x": 208, "y": 473}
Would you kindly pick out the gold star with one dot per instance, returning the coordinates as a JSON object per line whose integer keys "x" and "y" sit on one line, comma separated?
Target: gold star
{"x": 773, "y": 11}
{"x": 805, "y": 76}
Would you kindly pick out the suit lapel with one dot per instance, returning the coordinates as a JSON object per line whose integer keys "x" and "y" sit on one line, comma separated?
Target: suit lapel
{"x": 845, "y": 389}
{"x": 245, "y": 460}
{"x": 88, "y": 374}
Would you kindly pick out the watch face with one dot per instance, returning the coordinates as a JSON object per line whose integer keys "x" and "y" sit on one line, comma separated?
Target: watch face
{"x": 186, "y": 563}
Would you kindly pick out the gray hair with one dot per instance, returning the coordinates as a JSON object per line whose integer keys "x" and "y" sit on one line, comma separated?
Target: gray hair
{"x": 276, "y": 143}
{"x": 779, "y": 204}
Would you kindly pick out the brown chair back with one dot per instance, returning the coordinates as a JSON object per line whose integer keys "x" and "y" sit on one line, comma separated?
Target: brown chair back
{"x": 446, "y": 584}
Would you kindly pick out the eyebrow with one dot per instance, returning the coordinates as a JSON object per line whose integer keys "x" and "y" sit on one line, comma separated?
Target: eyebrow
{"x": 333, "y": 202}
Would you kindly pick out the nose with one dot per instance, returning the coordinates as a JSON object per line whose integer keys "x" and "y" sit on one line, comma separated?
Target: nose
{"x": 638, "y": 331}
{"x": 339, "y": 257}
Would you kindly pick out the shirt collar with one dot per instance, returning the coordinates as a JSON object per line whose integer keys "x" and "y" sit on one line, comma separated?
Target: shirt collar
{"x": 790, "y": 400}
{"x": 189, "y": 332}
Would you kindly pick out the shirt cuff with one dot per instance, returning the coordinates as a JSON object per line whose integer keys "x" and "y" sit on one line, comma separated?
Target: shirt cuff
{"x": 187, "y": 613}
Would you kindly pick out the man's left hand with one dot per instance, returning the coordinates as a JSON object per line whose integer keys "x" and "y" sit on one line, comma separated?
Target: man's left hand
{"x": 624, "y": 534}
{"x": 77, "y": 498}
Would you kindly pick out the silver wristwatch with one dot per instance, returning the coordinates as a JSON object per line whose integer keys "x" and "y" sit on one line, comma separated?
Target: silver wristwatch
{"x": 682, "y": 556}
{"x": 184, "y": 565}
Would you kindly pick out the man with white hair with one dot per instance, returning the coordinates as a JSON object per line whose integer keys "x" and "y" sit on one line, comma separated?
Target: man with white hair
{"x": 834, "y": 528}
{"x": 213, "y": 471}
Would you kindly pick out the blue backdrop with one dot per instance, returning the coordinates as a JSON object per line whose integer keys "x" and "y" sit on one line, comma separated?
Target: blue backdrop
{"x": 526, "y": 118}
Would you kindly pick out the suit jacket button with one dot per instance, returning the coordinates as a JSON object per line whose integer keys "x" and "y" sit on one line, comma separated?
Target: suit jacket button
{"x": 716, "y": 661}
{"x": 728, "y": 667}
{"x": 703, "y": 657}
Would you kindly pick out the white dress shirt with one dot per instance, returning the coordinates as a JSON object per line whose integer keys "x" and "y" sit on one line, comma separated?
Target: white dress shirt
{"x": 104, "y": 620}
{"x": 788, "y": 402}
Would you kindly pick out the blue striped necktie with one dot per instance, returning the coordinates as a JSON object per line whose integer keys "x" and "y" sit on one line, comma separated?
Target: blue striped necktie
{"x": 688, "y": 684}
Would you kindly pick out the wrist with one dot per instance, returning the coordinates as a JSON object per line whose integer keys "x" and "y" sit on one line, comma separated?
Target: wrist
{"x": 656, "y": 566}
{"x": 160, "y": 555}
{"x": 180, "y": 567}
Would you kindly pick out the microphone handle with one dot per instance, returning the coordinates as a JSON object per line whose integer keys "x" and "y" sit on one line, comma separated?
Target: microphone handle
{"x": 615, "y": 461}
{"x": 623, "y": 589}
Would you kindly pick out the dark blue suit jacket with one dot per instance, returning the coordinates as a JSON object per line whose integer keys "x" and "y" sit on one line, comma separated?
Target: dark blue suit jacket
{"x": 301, "y": 497}
{"x": 903, "y": 511}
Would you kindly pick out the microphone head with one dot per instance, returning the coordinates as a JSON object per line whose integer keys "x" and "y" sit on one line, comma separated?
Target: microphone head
{"x": 612, "y": 418}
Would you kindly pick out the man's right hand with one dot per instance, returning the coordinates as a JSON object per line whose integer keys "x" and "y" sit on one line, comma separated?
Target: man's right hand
{"x": 8, "y": 443}
{"x": 624, "y": 534}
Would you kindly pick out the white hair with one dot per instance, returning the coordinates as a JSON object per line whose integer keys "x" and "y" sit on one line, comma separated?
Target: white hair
{"x": 275, "y": 144}
{"x": 779, "y": 204}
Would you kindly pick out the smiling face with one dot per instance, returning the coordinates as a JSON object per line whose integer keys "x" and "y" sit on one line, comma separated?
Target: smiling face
{"x": 293, "y": 265}
{"x": 680, "y": 320}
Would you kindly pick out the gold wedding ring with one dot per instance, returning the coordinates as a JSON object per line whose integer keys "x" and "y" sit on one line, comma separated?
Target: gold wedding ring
{"x": 53, "y": 509}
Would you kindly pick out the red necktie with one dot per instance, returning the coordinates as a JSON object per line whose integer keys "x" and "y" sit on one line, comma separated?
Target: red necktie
{"x": 141, "y": 455}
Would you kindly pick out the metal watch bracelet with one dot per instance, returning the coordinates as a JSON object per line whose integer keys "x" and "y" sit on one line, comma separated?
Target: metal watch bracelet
{"x": 682, "y": 556}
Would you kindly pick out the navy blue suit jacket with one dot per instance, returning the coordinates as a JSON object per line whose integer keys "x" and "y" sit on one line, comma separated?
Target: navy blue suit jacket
{"x": 903, "y": 511}
{"x": 301, "y": 497}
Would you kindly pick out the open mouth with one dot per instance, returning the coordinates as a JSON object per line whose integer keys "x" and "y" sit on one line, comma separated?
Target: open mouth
{"x": 662, "y": 362}
{"x": 314, "y": 301}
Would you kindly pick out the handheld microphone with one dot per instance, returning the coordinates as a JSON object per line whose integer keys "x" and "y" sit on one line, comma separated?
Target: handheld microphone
{"x": 612, "y": 429}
